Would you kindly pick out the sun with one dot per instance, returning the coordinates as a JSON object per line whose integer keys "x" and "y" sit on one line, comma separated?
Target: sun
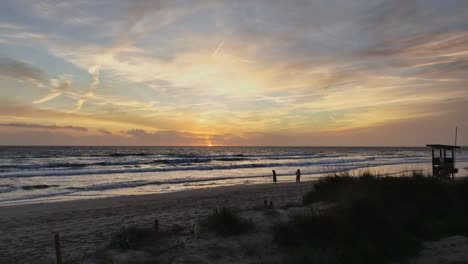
{"x": 209, "y": 143}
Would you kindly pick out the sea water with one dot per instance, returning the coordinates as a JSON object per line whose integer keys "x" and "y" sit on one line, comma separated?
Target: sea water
{"x": 47, "y": 174}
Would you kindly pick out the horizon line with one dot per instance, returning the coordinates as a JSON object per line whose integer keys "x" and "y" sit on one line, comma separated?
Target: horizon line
{"x": 234, "y": 146}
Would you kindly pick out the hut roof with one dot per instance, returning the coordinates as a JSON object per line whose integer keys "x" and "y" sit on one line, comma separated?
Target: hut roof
{"x": 439, "y": 146}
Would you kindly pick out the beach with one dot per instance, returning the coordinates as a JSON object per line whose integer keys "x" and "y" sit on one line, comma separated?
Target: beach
{"x": 27, "y": 231}
{"x": 88, "y": 194}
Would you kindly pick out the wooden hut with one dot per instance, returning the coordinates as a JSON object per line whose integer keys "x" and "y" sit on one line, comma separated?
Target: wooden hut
{"x": 443, "y": 165}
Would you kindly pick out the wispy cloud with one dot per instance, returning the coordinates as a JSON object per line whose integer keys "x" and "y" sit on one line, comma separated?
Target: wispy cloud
{"x": 11, "y": 68}
{"x": 48, "y": 127}
{"x": 105, "y": 132}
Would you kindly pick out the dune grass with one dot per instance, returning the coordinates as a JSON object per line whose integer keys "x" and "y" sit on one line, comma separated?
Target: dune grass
{"x": 375, "y": 219}
{"x": 132, "y": 238}
{"x": 135, "y": 237}
{"x": 225, "y": 221}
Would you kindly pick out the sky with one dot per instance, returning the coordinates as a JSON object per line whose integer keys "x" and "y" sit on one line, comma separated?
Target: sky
{"x": 214, "y": 72}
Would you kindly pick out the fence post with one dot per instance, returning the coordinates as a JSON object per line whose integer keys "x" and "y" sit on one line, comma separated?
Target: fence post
{"x": 156, "y": 225}
{"x": 58, "y": 252}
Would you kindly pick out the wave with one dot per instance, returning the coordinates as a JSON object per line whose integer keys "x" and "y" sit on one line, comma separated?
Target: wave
{"x": 65, "y": 165}
{"x": 33, "y": 197}
{"x": 47, "y": 165}
{"x": 184, "y": 181}
{"x": 323, "y": 163}
{"x": 38, "y": 186}
{"x": 133, "y": 184}
{"x": 174, "y": 155}
{"x": 5, "y": 188}
{"x": 128, "y": 154}
{"x": 176, "y": 160}
{"x": 120, "y": 185}
{"x": 120, "y": 163}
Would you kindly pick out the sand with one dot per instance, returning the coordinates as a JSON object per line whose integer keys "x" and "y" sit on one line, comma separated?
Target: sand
{"x": 26, "y": 233}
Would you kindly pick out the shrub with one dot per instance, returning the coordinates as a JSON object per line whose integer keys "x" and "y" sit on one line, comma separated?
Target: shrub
{"x": 305, "y": 255}
{"x": 225, "y": 221}
{"x": 326, "y": 189}
{"x": 137, "y": 237}
{"x": 132, "y": 238}
{"x": 377, "y": 219}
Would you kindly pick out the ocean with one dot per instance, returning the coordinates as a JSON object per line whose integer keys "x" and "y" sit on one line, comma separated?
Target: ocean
{"x": 48, "y": 174}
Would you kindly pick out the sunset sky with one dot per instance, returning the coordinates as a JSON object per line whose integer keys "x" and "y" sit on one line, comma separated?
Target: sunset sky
{"x": 260, "y": 72}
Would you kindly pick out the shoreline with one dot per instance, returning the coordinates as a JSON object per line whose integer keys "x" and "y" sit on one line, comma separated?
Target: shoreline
{"x": 96, "y": 203}
{"x": 150, "y": 189}
{"x": 385, "y": 170}
{"x": 27, "y": 230}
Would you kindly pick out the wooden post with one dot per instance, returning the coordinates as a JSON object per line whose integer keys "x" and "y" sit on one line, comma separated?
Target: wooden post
{"x": 58, "y": 251}
{"x": 454, "y": 146}
{"x": 156, "y": 225}
{"x": 192, "y": 231}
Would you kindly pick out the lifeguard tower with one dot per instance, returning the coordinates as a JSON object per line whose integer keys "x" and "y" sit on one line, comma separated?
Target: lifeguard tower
{"x": 443, "y": 166}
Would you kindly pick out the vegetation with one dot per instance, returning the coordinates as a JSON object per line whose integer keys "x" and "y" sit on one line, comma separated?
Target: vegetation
{"x": 133, "y": 238}
{"x": 374, "y": 219}
{"x": 225, "y": 221}
{"x": 138, "y": 237}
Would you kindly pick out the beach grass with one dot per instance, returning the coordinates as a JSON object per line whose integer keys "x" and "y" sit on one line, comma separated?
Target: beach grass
{"x": 132, "y": 238}
{"x": 226, "y": 222}
{"x": 136, "y": 237}
{"x": 374, "y": 219}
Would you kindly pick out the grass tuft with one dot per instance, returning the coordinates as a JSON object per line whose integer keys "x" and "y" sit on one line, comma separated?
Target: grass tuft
{"x": 132, "y": 238}
{"x": 226, "y": 222}
{"x": 138, "y": 237}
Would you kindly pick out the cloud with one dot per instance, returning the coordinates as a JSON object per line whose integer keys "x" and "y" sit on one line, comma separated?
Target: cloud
{"x": 166, "y": 138}
{"x": 105, "y": 132}
{"x": 14, "y": 69}
{"x": 48, "y": 127}
{"x": 52, "y": 136}
{"x": 416, "y": 134}
{"x": 19, "y": 70}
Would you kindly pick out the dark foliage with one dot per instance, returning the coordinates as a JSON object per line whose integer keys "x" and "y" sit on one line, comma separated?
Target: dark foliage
{"x": 138, "y": 237}
{"x": 377, "y": 219}
{"x": 225, "y": 221}
{"x": 133, "y": 238}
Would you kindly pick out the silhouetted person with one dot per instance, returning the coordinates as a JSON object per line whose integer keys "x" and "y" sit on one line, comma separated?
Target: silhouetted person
{"x": 298, "y": 175}
{"x": 274, "y": 175}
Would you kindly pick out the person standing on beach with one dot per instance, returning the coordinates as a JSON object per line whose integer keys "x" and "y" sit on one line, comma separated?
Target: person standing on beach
{"x": 298, "y": 175}
{"x": 274, "y": 175}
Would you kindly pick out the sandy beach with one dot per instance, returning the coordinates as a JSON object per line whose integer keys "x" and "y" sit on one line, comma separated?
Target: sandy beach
{"x": 27, "y": 231}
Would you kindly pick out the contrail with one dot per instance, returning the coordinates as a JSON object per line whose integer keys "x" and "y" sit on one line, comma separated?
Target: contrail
{"x": 46, "y": 98}
{"x": 56, "y": 88}
{"x": 218, "y": 48}
{"x": 78, "y": 105}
